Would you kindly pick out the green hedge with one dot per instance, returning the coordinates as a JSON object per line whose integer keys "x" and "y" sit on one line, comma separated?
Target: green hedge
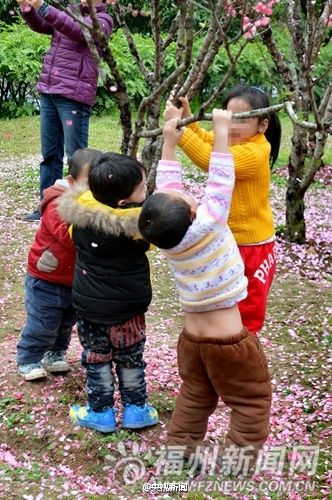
{"x": 21, "y": 53}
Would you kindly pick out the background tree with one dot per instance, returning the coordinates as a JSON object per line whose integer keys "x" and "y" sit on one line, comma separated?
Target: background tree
{"x": 301, "y": 67}
{"x": 202, "y": 46}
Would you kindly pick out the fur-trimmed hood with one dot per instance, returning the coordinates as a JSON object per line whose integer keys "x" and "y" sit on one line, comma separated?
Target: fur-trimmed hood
{"x": 78, "y": 207}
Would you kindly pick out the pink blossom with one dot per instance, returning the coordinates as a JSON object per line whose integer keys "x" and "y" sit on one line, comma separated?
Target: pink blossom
{"x": 265, "y": 20}
{"x": 260, "y": 7}
{"x": 250, "y": 33}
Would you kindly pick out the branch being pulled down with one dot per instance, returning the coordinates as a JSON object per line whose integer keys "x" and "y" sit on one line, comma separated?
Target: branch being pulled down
{"x": 247, "y": 114}
{"x": 208, "y": 117}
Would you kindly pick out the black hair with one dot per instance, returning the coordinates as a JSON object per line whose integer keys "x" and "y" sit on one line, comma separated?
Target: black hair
{"x": 82, "y": 158}
{"x": 256, "y": 99}
{"x": 113, "y": 177}
{"x": 164, "y": 220}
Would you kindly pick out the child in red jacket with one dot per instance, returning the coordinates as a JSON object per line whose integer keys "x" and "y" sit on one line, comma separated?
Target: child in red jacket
{"x": 51, "y": 262}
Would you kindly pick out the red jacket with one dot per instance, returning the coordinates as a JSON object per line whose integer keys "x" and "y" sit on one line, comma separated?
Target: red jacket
{"x": 53, "y": 236}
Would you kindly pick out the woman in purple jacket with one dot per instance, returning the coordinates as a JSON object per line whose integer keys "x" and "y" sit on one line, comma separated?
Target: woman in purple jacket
{"x": 68, "y": 84}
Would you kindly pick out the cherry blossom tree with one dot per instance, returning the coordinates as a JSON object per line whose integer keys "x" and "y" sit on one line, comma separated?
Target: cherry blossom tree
{"x": 306, "y": 24}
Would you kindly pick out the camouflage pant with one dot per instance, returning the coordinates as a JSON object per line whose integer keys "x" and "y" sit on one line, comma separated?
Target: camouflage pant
{"x": 101, "y": 350}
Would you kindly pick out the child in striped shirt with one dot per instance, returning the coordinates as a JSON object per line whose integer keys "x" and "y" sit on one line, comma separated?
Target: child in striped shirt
{"x": 217, "y": 356}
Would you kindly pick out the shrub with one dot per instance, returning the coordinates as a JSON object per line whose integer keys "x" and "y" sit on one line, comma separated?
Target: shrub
{"x": 21, "y": 54}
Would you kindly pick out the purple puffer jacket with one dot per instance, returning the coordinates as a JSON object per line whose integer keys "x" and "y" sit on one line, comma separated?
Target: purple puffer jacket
{"x": 69, "y": 69}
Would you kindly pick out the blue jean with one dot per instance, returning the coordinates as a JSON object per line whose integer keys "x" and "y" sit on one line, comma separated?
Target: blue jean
{"x": 64, "y": 124}
{"x": 98, "y": 357}
{"x": 50, "y": 318}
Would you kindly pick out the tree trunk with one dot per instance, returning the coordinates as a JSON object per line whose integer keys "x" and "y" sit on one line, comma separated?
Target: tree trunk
{"x": 152, "y": 147}
{"x": 295, "y": 222}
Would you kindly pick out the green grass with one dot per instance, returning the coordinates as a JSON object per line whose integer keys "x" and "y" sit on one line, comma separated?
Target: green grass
{"x": 21, "y": 136}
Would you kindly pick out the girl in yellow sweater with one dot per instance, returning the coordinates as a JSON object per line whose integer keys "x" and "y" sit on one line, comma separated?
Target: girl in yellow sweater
{"x": 255, "y": 146}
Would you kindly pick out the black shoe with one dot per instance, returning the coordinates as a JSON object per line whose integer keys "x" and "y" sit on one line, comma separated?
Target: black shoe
{"x": 34, "y": 216}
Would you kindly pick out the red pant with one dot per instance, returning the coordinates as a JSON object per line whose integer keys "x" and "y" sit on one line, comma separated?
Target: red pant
{"x": 259, "y": 267}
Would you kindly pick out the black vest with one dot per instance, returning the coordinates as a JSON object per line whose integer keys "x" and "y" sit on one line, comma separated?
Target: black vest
{"x": 112, "y": 276}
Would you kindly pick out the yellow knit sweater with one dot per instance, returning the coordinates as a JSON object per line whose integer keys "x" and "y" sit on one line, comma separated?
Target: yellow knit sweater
{"x": 250, "y": 218}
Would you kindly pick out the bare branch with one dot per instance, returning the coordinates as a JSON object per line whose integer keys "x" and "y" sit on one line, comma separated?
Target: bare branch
{"x": 320, "y": 28}
{"x": 139, "y": 122}
{"x": 208, "y": 117}
{"x": 296, "y": 30}
{"x": 225, "y": 79}
{"x": 320, "y": 77}
{"x": 171, "y": 32}
{"x": 292, "y": 115}
{"x": 286, "y": 74}
{"x": 325, "y": 100}
{"x": 121, "y": 94}
{"x": 181, "y": 32}
{"x": 155, "y": 25}
{"x": 148, "y": 75}
{"x": 196, "y": 68}
{"x": 74, "y": 14}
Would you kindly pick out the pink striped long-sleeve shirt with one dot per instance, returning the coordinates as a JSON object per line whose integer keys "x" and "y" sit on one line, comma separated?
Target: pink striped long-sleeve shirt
{"x": 206, "y": 264}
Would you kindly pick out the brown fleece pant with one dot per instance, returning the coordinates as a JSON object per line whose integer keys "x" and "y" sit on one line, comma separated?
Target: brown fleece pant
{"x": 234, "y": 369}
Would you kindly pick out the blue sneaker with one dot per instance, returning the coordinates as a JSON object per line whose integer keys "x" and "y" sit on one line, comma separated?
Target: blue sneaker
{"x": 102, "y": 421}
{"x": 136, "y": 417}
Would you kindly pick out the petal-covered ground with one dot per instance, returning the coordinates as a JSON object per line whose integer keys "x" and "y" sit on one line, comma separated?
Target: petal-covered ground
{"x": 44, "y": 456}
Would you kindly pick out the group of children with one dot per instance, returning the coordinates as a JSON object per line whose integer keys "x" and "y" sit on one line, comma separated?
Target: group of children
{"x": 88, "y": 266}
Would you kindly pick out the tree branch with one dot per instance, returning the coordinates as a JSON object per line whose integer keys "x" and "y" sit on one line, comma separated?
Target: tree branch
{"x": 208, "y": 117}
{"x": 155, "y": 24}
{"x": 171, "y": 32}
{"x": 148, "y": 75}
{"x": 286, "y": 74}
{"x": 225, "y": 79}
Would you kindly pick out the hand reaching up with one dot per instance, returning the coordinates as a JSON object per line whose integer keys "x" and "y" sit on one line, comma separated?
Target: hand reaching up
{"x": 221, "y": 120}
{"x": 171, "y": 111}
{"x": 172, "y": 136}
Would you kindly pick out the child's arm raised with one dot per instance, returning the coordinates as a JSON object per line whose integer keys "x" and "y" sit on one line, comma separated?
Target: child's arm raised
{"x": 169, "y": 170}
{"x": 221, "y": 120}
{"x": 171, "y": 136}
{"x": 219, "y": 188}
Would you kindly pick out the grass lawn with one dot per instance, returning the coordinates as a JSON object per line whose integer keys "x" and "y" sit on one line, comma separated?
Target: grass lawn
{"x": 43, "y": 455}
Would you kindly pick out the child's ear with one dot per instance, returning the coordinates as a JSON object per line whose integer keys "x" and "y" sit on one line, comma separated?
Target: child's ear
{"x": 263, "y": 126}
{"x": 122, "y": 203}
{"x": 192, "y": 213}
{"x": 70, "y": 180}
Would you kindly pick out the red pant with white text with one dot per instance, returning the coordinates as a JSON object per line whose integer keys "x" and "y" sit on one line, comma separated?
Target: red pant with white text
{"x": 259, "y": 267}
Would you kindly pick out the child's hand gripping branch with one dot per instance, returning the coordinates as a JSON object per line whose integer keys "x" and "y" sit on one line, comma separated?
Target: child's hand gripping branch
{"x": 171, "y": 136}
{"x": 221, "y": 125}
{"x": 171, "y": 111}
